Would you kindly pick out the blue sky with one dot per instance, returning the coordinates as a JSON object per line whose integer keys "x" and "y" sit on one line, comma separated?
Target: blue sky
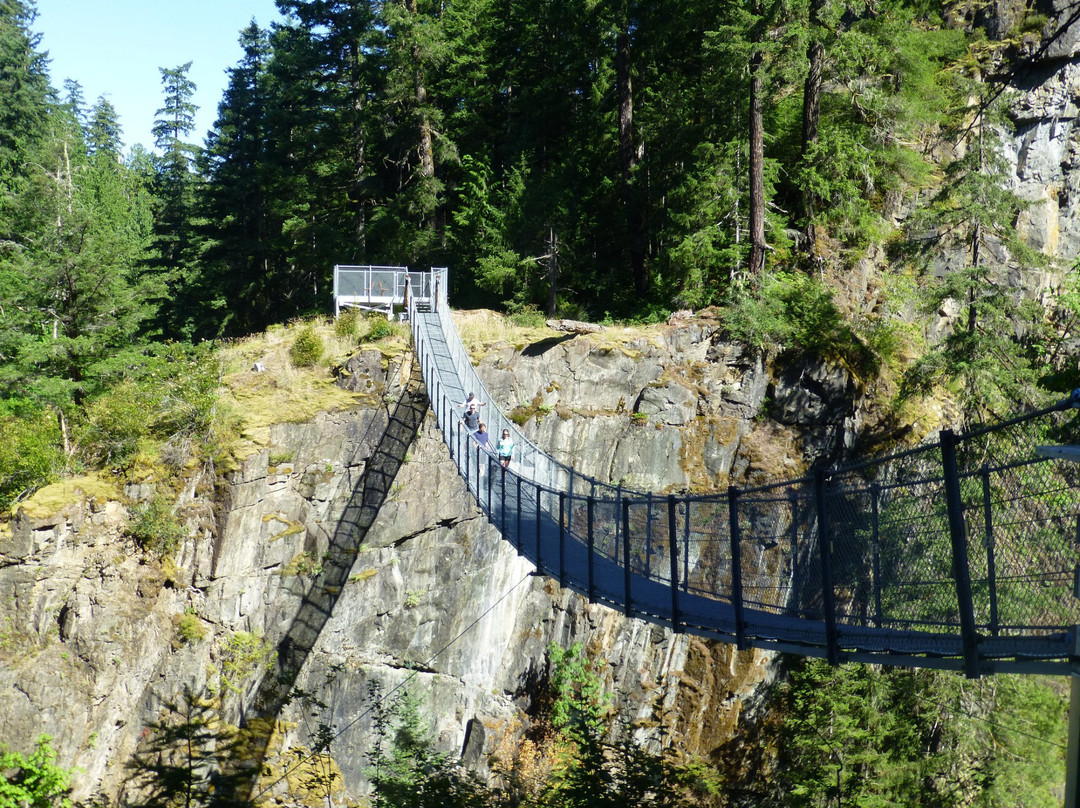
{"x": 115, "y": 47}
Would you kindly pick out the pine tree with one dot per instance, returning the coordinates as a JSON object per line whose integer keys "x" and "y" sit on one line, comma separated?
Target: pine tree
{"x": 238, "y": 263}
{"x": 103, "y": 132}
{"x": 971, "y": 219}
{"x": 24, "y": 86}
{"x": 175, "y": 190}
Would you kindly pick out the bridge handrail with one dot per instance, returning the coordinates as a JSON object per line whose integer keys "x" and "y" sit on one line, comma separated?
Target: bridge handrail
{"x": 897, "y": 552}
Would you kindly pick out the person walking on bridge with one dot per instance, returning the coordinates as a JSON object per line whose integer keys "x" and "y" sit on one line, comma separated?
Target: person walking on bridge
{"x": 471, "y": 401}
{"x": 471, "y": 418}
{"x": 505, "y": 449}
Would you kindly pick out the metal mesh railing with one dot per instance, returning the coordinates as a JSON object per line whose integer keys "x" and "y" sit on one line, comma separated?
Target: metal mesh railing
{"x": 964, "y": 540}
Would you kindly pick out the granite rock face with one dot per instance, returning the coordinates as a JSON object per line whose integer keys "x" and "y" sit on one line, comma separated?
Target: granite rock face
{"x": 99, "y": 637}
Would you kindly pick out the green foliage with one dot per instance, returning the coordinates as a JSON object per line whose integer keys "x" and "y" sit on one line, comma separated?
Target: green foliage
{"x": 160, "y": 396}
{"x": 404, "y": 769}
{"x": 907, "y": 737}
{"x": 189, "y": 626}
{"x": 33, "y": 781}
{"x": 244, "y": 655}
{"x": 527, "y": 316}
{"x": 347, "y": 323}
{"x": 307, "y": 348}
{"x": 380, "y": 328}
{"x": 972, "y": 216}
{"x": 30, "y": 453}
{"x": 796, "y": 311}
{"x": 155, "y": 527}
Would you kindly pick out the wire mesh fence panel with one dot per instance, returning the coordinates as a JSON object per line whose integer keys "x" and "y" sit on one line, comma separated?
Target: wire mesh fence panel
{"x": 976, "y": 535}
{"x": 766, "y": 548}
{"x": 707, "y": 553}
{"x": 1021, "y": 515}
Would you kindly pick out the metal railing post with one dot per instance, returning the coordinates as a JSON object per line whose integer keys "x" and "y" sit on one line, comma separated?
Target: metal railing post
{"x": 673, "y": 557}
{"x": 958, "y": 539}
{"x": 628, "y": 610}
{"x": 736, "y": 567}
{"x": 648, "y": 535}
{"x": 539, "y": 538}
{"x": 562, "y": 539}
{"x": 875, "y": 493}
{"x": 988, "y": 539}
{"x": 828, "y": 596}
{"x": 589, "y": 504}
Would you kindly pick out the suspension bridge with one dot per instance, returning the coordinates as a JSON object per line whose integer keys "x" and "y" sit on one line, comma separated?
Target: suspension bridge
{"x": 960, "y": 554}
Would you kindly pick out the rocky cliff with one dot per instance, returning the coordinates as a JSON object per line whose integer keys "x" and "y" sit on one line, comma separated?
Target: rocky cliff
{"x": 343, "y": 550}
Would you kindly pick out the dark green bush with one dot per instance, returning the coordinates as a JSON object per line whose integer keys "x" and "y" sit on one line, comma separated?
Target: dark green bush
{"x": 308, "y": 348}
{"x": 379, "y": 328}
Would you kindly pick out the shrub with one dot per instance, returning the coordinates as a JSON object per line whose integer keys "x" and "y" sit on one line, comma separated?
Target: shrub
{"x": 348, "y": 323}
{"x": 189, "y": 627}
{"x": 527, "y": 316}
{"x": 796, "y": 311}
{"x": 380, "y": 328}
{"x": 115, "y": 422}
{"x": 155, "y": 527}
{"x": 308, "y": 348}
{"x": 30, "y": 454}
{"x": 35, "y": 781}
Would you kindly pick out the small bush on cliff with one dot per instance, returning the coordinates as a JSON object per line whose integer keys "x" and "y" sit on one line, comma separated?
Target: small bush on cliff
{"x": 796, "y": 311}
{"x": 347, "y": 323}
{"x": 30, "y": 453}
{"x": 381, "y": 328}
{"x": 154, "y": 526}
{"x": 308, "y": 348}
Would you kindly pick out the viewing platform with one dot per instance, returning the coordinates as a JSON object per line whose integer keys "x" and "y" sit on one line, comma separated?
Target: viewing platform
{"x": 380, "y": 289}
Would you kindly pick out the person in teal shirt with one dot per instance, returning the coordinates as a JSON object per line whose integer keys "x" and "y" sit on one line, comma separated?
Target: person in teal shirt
{"x": 505, "y": 449}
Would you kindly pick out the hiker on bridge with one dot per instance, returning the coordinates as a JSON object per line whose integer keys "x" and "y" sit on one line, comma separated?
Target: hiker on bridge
{"x": 505, "y": 449}
{"x": 471, "y": 401}
{"x": 471, "y": 418}
{"x": 482, "y": 437}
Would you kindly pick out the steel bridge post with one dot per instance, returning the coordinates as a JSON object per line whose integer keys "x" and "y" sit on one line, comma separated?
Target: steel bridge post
{"x": 627, "y": 609}
{"x": 1072, "y": 755}
{"x": 736, "y": 567}
{"x": 562, "y": 538}
{"x": 988, "y": 540}
{"x": 589, "y": 505}
{"x": 958, "y": 537}
{"x": 828, "y": 595}
{"x": 673, "y": 557}
{"x": 875, "y": 494}
{"x": 539, "y": 560}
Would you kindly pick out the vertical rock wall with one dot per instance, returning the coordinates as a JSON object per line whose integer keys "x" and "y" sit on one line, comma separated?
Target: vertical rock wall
{"x": 101, "y": 638}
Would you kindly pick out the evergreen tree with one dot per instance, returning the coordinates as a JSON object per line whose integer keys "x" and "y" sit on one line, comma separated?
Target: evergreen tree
{"x": 174, "y": 191}
{"x": 240, "y": 229}
{"x": 972, "y": 218}
{"x": 103, "y": 132}
{"x": 24, "y": 86}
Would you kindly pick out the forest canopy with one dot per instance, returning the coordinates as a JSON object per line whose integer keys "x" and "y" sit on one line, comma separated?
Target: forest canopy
{"x": 595, "y": 159}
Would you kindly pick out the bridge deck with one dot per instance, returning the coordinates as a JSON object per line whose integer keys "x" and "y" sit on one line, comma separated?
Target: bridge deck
{"x": 855, "y": 565}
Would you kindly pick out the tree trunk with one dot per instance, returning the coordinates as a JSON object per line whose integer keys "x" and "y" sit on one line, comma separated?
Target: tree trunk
{"x": 426, "y": 148}
{"x": 757, "y": 155}
{"x": 553, "y": 272}
{"x": 628, "y": 158}
{"x": 815, "y": 56}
